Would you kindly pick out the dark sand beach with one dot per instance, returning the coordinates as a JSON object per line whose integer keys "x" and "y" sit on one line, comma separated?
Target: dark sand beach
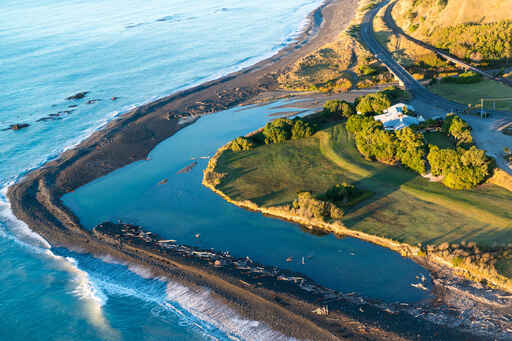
{"x": 36, "y": 200}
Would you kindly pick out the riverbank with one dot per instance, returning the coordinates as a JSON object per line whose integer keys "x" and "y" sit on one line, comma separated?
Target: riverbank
{"x": 248, "y": 176}
{"x": 285, "y": 301}
{"x": 36, "y": 199}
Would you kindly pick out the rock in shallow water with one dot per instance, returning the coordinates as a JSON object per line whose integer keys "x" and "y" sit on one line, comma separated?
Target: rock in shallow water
{"x": 78, "y": 95}
{"x": 18, "y": 126}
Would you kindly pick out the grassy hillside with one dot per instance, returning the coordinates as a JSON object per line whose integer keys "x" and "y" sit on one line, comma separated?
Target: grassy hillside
{"x": 338, "y": 66}
{"x": 405, "y": 207}
{"x": 478, "y": 30}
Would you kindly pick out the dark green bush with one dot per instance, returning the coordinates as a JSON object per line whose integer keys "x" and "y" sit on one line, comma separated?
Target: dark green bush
{"x": 460, "y": 130}
{"x": 242, "y": 144}
{"x": 340, "y": 193}
{"x": 337, "y": 107}
{"x": 373, "y": 103}
{"x": 461, "y": 168}
{"x": 301, "y": 129}
{"x": 411, "y": 150}
{"x": 308, "y": 206}
{"x": 278, "y": 131}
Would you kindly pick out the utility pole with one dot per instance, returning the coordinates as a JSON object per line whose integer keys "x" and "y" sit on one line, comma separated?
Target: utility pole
{"x": 493, "y": 100}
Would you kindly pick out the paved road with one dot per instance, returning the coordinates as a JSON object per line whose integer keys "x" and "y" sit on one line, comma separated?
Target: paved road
{"x": 417, "y": 90}
{"x": 486, "y": 133}
{"x": 390, "y": 22}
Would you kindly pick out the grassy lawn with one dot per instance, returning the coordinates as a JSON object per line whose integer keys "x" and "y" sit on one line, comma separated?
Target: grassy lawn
{"x": 472, "y": 93}
{"x": 405, "y": 207}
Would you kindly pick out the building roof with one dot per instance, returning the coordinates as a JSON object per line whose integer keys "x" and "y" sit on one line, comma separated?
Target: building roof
{"x": 399, "y": 108}
{"x": 394, "y": 118}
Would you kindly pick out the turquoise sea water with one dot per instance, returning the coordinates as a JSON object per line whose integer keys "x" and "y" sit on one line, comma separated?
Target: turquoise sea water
{"x": 136, "y": 50}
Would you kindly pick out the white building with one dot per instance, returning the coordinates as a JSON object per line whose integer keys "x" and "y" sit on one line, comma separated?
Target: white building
{"x": 394, "y": 117}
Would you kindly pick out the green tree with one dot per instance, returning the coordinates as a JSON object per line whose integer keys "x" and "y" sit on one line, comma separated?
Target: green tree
{"x": 442, "y": 161}
{"x": 460, "y": 130}
{"x": 411, "y": 150}
{"x": 461, "y": 168}
{"x": 301, "y": 129}
{"x": 337, "y": 107}
{"x": 340, "y": 193}
{"x": 242, "y": 144}
{"x": 278, "y": 131}
{"x": 357, "y": 123}
{"x": 373, "y": 103}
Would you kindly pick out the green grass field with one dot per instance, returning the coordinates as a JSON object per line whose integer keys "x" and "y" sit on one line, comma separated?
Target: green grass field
{"x": 405, "y": 206}
{"x": 472, "y": 93}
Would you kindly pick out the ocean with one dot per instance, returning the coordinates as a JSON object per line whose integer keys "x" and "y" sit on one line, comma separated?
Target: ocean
{"x": 134, "y": 51}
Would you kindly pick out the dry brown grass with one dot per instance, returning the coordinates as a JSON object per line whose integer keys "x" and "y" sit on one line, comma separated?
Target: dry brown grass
{"x": 334, "y": 67}
{"x": 502, "y": 179}
{"x": 456, "y": 12}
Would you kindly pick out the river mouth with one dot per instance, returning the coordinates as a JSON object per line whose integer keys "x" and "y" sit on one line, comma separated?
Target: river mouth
{"x": 163, "y": 198}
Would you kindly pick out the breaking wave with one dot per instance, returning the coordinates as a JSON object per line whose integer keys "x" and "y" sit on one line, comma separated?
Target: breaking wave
{"x": 204, "y": 306}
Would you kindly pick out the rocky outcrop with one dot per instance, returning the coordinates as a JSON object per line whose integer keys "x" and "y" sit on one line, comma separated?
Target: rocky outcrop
{"x": 18, "y": 126}
{"x": 78, "y": 95}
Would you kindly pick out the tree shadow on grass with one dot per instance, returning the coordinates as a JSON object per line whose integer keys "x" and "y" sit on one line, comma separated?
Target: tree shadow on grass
{"x": 382, "y": 183}
{"x": 261, "y": 200}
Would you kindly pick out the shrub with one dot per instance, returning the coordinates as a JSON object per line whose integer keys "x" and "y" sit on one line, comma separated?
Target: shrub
{"x": 301, "y": 129}
{"x": 357, "y": 123}
{"x": 411, "y": 150}
{"x": 373, "y": 103}
{"x": 308, "y": 206}
{"x": 461, "y": 168}
{"x": 367, "y": 70}
{"x": 278, "y": 131}
{"x": 460, "y": 130}
{"x": 340, "y": 193}
{"x": 337, "y": 107}
{"x": 343, "y": 85}
{"x": 242, "y": 144}
{"x": 284, "y": 129}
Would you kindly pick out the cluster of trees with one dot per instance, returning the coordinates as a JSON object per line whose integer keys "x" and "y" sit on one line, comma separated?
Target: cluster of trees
{"x": 376, "y": 143}
{"x": 278, "y": 131}
{"x": 310, "y": 207}
{"x": 461, "y": 168}
{"x": 469, "y": 77}
{"x": 341, "y": 193}
{"x": 241, "y": 144}
{"x": 339, "y": 108}
{"x": 378, "y": 102}
{"x": 373, "y": 103}
{"x": 284, "y": 129}
{"x": 458, "y": 129}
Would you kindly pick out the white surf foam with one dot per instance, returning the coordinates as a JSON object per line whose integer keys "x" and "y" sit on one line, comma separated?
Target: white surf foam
{"x": 82, "y": 287}
{"x": 19, "y": 228}
{"x": 205, "y": 307}
{"x": 86, "y": 290}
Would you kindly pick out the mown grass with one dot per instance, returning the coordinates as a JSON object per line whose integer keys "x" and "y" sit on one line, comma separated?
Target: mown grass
{"x": 405, "y": 206}
{"x": 472, "y": 93}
